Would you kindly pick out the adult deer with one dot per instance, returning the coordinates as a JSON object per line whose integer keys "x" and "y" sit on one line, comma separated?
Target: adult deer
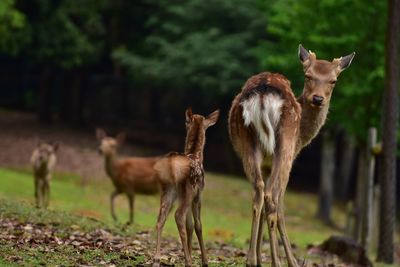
{"x": 182, "y": 175}
{"x": 43, "y": 160}
{"x": 129, "y": 175}
{"x": 267, "y": 124}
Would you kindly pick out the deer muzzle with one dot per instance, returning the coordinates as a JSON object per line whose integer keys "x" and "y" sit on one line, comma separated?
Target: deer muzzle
{"x": 317, "y": 100}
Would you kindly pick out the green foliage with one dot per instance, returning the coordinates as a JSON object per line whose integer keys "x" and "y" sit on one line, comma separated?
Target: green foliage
{"x": 12, "y": 21}
{"x": 64, "y": 33}
{"x": 333, "y": 29}
{"x": 196, "y": 44}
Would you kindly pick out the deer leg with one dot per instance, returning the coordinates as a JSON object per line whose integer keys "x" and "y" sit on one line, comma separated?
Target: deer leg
{"x": 252, "y": 167}
{"x": 46, "y": 192}
{"x": 37, "y": 193}
{"x": 131, "y": 199}
{"x": 168, "y": 196}
{"x": 292, "y": 262}
{"x": 196, "y": 207}
{"x": 112, "y": 198}
{"x": 271, "y": 195}
{"x": 189, "y": 230}
{"x": 186, "y": 199}
{"x": 41, "y": 193}
{"x": 260, "y": 237}
{"x": 286, "y": 157}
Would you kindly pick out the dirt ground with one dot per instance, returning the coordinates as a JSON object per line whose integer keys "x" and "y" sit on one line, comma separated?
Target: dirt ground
{"x": 20, "y": 133}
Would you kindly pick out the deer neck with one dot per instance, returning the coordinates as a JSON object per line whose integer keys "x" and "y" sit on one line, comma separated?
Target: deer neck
{"x": 312, "y": 119}
{"x": 110, "y": 160}
{"x": 195, "y": 144}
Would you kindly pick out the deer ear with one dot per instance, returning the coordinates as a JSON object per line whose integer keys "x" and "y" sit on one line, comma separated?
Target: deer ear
{"x": 121, "y": 137}
{"x": 189, "y": 114}
{"x": 212, "y": 118}
{"x": 344, "y": 62}
{"x": 304, "y": 55}
{"x": 100, "y": 133}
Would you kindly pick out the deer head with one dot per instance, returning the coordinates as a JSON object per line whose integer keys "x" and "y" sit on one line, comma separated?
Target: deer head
{"x": 43, "y": 152}
{"x": 321, "y": 76}
{"x": 196, "y": 126}
{"x": 108, "y": 145}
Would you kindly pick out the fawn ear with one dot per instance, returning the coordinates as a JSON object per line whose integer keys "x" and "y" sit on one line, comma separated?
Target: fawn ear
{"x": 121, "y": 137}
{"x": 100, "y": 133}
{"x": 189, "y": 114}
{"x": 211, "y": 119}
{"x": 344, "y": 62}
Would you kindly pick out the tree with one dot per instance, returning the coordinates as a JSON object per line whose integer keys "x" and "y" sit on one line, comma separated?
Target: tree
{"x": 12, "y": 23}
{"x": 326, "y": 180}
{"x": 196, "y": 51}
{"x": 390, "y": 122}
{"x": 63, "y": 35}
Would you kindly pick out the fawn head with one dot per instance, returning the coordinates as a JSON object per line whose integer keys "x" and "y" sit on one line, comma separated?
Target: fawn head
{"x": 43, "y": 152}
{"x": 108, "y": 145}
{"x": 196, "y": 126}
{"x": 321, "y": 76}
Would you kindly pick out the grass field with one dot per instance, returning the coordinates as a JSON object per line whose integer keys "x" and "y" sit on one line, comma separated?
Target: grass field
{"x": 226, "y": 208}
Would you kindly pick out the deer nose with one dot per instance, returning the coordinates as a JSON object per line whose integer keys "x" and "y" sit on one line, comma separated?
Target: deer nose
{"x": 317, "y": 100}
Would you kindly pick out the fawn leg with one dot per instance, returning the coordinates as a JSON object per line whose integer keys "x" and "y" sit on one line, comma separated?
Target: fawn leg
{"x": 112, "y": 198}
{"x": 252, "y": 167}
{"x": 168, "y": 195}
{"x": 196, "y": 207}
{"x": 186, "y": 198}
{"x": 131, "y": 199}
{"x": 189, "y": 230}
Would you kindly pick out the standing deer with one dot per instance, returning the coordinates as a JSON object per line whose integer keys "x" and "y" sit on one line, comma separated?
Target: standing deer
{"x": 43, "y": 160}
{"x": 129, "y": 175}
{"x": 267, "y": 124}
{"x": 182, "y": 176}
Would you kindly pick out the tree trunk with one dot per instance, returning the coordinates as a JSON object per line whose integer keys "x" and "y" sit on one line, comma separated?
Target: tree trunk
{"x": 71, "y": 110}
{"x": 44, "y": 108}
{"x": 346, "y": 164}
{"x": 326, "y": 179}
{"x": 390, "y": 119}
{"x": 359, "y": 194}
{"x": 367, "y": 210}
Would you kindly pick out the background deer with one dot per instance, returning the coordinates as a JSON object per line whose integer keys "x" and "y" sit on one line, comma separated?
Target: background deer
{"x": 43, "y": 160}
{"x": 182, "y": 175}
{"x": 129, "y": 175}
{"x": 268, "y": 124}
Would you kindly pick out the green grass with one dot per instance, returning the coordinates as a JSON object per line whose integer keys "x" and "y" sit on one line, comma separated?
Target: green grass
{"x": 226, "y": 211}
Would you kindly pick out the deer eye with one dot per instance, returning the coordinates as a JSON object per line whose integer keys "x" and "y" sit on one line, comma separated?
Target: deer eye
{"x": 308, "y": 78}
{"x": 332, "y": 82}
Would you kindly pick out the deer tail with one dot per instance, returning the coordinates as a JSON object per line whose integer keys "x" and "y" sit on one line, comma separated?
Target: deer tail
{"x": 263, "y": 111}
